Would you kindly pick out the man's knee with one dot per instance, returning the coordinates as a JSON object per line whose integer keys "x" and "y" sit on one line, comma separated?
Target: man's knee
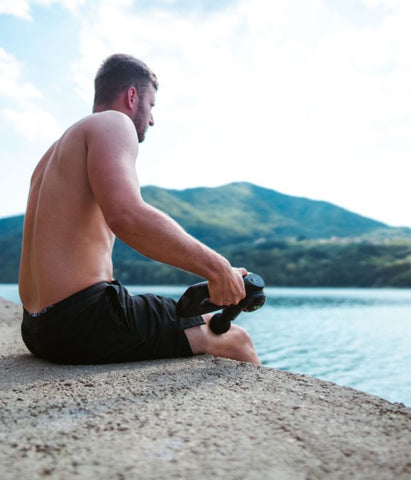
{"x": 238, "y": 339}
{"x": 238, "y": 335}
{"x": 235, "y": 344}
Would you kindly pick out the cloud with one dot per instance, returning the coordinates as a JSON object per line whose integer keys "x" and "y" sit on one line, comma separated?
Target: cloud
{"x": 33, "y": 124}
{"x": 12, "y": 84}
{"x": 17, "y": 8}
{"x": 385, "y": 3}
{"x": 297, "y": 92}
{"x": 71, "y": 5}
{"x": 21, "y": 8}
{"x": 27, "y": 116}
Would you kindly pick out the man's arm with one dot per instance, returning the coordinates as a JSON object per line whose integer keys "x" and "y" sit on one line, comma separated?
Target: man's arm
{"x": 112, "y": 149}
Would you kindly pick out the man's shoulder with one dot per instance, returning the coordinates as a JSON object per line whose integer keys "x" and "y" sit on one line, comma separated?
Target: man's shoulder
{"x": 100, "y": 123}
{"x": 109, "y": 127}
{"x": 108, "y": 116}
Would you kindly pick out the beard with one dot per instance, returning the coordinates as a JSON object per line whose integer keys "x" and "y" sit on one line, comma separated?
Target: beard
{"x": 141, "y": 136}
{"x": 141, "y": 126}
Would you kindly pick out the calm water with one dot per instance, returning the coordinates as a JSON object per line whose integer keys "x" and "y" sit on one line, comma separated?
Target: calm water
{"x": 355, "y": 337}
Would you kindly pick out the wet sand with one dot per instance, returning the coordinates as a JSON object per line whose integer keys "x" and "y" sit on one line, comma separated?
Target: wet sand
{"x": 198, "y": 418}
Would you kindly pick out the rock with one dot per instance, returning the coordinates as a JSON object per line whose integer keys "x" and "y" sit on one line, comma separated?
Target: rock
{"x": 197, "y": 418}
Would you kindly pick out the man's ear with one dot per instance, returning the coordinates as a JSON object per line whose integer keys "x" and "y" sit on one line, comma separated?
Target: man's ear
{"x": 132, "y": 98}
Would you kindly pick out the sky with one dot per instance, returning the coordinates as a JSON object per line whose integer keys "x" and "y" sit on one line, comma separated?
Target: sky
{"x": 311, "y": 98}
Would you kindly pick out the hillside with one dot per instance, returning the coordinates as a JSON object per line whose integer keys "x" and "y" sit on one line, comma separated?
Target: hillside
{"x": 11, "y": 230}
{"x": 243, "y": 212}
{"x": 291, "y": 240}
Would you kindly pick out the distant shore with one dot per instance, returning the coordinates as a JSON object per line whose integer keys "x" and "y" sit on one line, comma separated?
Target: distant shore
{"x": 188, "y": 418}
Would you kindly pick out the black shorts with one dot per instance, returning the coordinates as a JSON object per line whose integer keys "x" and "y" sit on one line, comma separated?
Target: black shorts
{"x": 105, "y": 324}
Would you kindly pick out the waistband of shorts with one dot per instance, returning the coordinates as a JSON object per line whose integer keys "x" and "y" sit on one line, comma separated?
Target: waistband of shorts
{"x": 88, "y": 293}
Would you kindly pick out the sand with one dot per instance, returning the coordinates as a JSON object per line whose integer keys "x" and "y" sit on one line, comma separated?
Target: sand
{"x": 197, "y": 418}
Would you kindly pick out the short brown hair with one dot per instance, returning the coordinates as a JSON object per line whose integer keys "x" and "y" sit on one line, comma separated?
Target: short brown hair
{"x": 118, "y": 72}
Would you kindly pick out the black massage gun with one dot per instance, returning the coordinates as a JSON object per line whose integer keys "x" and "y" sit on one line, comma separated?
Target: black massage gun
{"x": 195, "y": 301}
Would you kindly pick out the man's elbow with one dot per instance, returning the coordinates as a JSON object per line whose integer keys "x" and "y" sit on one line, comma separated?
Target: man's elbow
{"x": 120, "y": 223}
{"x": 125, "y": 221}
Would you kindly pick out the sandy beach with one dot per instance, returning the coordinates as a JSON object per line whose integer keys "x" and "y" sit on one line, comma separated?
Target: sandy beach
{"x": 197, "y": 418}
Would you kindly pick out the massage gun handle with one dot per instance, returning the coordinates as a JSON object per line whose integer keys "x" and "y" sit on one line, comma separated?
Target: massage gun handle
{"x": 195, "y": 301}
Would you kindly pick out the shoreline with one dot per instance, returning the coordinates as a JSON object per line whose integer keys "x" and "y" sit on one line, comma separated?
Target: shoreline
{"x": 200, "y": 417}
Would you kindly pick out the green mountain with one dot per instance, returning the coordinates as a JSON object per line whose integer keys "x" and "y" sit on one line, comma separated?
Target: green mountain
{"x": 11, "y": 230}
{"x": 290, "y": 240}
{"x": 243, "y": 212}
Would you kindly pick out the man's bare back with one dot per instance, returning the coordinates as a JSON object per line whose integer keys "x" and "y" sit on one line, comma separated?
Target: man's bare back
{"x": 67, "y": 244}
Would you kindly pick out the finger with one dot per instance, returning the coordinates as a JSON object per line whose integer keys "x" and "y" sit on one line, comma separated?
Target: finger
{"x": 243, "y": 271}
{"x": 219, "y": 299}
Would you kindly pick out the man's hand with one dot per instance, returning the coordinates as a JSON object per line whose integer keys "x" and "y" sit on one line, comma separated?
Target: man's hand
{"x": 228, "y": 288}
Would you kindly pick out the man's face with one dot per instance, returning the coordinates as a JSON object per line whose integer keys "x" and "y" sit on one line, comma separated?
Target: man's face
{"x": 143, "y": 117}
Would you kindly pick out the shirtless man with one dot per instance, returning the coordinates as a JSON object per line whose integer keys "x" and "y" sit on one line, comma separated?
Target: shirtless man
{"x": 83, "y": 193}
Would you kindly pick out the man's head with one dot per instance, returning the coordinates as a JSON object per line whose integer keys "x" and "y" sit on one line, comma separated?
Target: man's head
{"x": 125, "y": 77}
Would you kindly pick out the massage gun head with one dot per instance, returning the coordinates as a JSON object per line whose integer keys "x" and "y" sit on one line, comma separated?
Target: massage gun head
{"x": 256, "y": 301}
{"x": 253, "y": 282}
{"x": 255, "y": 297}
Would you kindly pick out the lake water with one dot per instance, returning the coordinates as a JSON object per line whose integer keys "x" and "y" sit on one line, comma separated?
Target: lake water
{"x": 354, "y": 337}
